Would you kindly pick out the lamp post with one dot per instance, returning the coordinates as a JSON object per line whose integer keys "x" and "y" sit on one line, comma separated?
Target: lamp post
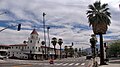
{"x": 44, "y": 33}
{"x": 48, "y": 41}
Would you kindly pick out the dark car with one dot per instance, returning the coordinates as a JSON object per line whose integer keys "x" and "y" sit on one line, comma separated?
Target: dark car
{"x": 51, "y": 61}
{"x": 88, "y": 56}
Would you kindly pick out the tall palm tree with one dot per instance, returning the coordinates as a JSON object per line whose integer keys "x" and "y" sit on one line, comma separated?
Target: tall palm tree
{"x": 99, "y": 18}
{"x": 60, "y": 41}
{"x": 54, "y": 42}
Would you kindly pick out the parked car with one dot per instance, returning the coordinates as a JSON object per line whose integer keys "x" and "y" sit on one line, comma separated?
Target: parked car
{"x": 3, "y": 57}
{"x": 88, "y": 56}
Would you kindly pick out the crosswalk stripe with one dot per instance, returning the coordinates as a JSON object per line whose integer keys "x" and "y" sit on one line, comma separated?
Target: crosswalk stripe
{"x": 65, "y": 64}
{"x": 77, "y": 64}
{"x": 71, "y": 64}
{"x": 83, "y": 64}
{"x": 58, "y": 63}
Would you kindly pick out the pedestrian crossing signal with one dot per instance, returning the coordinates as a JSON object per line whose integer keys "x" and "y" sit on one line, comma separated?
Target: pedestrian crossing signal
{"x": 19, "y": 27}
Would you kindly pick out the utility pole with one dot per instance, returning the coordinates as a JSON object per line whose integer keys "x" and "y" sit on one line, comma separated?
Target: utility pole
{"x": 48, "y": 42}
{"x": 44, "y": 34}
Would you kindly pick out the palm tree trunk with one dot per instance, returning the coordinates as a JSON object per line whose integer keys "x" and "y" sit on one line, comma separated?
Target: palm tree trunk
{"x": 55, "y": 52}
{"x": 101, "y": 50}
{"x": 66, "y": 55}
{"x": 60, "y": 51}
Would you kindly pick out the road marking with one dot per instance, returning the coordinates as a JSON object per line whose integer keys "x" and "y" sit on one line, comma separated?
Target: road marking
{"x": 46, "y": 64}
{"x": 22, "y": 65}
{"x": 77, "y": 64}
{"x": 83, "y": 64}
{"x": 59, "y": 64}
{"x": 65, "y": 64}
{"x": 71, "y": 64}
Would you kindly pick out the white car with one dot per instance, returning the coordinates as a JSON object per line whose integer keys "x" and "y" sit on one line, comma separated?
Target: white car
{"x": 3, "y": 57}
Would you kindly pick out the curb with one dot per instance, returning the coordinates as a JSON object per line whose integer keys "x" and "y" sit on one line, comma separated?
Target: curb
{"x": 90, "y": 63}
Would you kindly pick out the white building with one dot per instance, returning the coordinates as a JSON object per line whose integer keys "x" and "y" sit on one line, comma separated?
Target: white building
{"x": 4, "y": 51}
{"x": 32, "y": 49}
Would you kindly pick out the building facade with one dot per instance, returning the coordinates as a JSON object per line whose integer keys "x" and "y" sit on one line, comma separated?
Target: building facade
{"x": 4, "y": 51}
{"x": 31, "y": 49}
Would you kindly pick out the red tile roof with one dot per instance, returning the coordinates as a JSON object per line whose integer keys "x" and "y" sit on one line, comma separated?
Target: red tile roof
{"x": 34, "y": 32}
{"x": 19, "y": 45}
{"x": 4, "y": 45}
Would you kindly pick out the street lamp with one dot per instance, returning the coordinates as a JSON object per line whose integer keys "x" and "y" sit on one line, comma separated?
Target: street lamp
{"x": 44, "y": 33}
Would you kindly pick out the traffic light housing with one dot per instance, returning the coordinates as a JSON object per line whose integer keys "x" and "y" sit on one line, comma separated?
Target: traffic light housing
{"x": 19, "y": 27}
{"x": 92, "y": 41}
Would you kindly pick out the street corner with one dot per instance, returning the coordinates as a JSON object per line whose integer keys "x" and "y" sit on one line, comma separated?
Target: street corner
{"x": 89, "y": 63}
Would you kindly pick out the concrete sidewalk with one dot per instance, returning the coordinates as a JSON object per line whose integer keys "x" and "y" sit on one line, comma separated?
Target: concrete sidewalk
{"x": 112, "y": 63}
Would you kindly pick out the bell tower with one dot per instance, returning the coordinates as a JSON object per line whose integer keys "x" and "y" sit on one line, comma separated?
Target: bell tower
{"x": 34, "y": 40}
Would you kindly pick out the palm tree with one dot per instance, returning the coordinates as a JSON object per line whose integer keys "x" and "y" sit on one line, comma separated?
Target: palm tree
{"x": 76, "y": 50}
{"x": 66, "y": 51}
{"x": 54, "y": 42}
{"x": 60, "y": 41}
{"x": 80, "y": 52}
{"x": 99, "y": 18}
{"x": 71, "y": 51}
{"x": 43, "y": 43}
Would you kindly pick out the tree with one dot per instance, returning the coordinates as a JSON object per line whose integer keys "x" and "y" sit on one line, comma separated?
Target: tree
{"x": 43, "y": 43}
{"x": 114, "y": 49}
{"x": 54, "y": 42}
{"x": 66, "y": 50}
{"x": 60, "y": 41}
{"x": 76, "y": 50}
{"x": 71, "y": 51}
{"x": 99, "y": 18}
{"x": 79, "y": 53}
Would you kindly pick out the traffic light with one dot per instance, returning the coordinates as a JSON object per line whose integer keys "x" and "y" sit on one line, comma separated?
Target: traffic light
{"x": 19, "y": 27}
{"x": 92, "y": 41}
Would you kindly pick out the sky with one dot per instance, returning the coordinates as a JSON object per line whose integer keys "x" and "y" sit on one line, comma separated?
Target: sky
{"x": 67, "y": 19}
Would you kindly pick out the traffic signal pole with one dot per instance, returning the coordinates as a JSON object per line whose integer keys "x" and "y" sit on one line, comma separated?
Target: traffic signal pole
{"x": 19, "y": 27}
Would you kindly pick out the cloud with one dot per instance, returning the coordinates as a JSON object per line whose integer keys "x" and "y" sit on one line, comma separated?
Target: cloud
{"x": 67, "y": 19}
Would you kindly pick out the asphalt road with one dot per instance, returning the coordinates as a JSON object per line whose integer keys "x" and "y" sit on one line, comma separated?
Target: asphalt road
{"x": 69, "y": 62}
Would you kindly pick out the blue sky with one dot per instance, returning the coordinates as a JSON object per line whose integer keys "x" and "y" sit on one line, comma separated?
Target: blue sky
{"x": 67, "y": 19}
